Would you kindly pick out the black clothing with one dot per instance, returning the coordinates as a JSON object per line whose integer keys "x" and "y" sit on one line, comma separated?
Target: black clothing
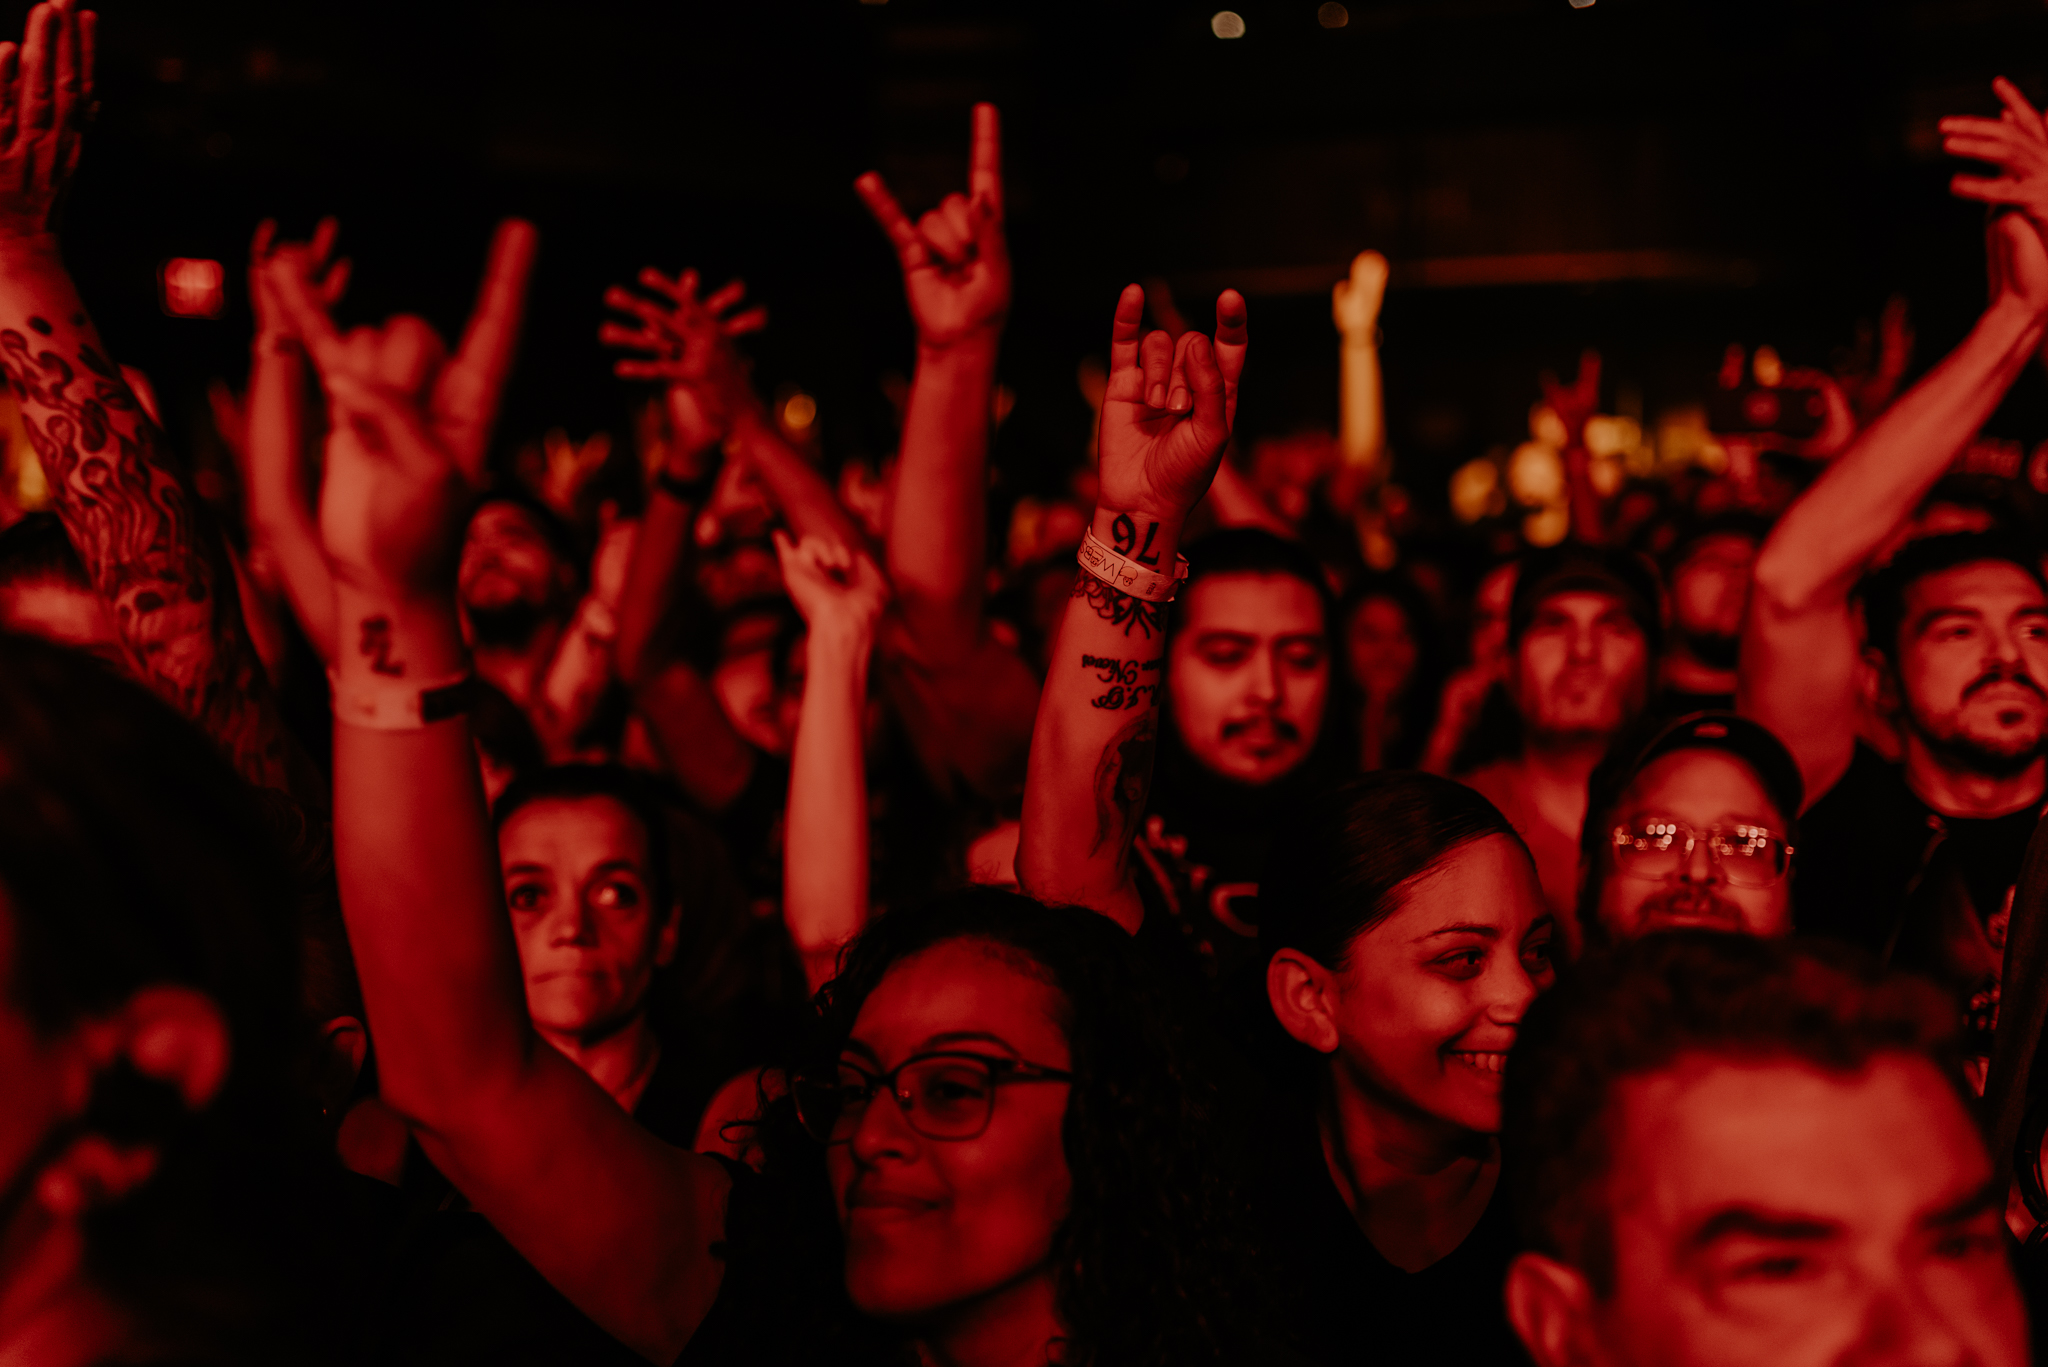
{"x": 1877, "y": 867}
{"x": 1340, "y": 1301}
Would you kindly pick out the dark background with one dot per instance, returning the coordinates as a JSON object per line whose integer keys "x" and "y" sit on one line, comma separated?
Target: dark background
{"x": 1661, "y": 176}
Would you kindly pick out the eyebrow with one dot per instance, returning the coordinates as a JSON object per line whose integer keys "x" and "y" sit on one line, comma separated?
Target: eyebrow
{"x": 1463, "y": 928}
{"x": 613, "y": 865}
{"x": 936, "y": 1043}
{"x": 1990, "y": 1196}
{"x": 1757, "y": 1223}
{"x": 525, "y": 866}
{"x": 1933, "y": 615}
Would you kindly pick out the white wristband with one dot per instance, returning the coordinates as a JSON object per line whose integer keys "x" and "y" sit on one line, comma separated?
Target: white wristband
{"x": 400, "y": 704}
{"x": 1126, "y": 575}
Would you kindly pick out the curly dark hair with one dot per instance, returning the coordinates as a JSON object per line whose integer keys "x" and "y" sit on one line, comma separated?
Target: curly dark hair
{"x": 1148, "y": 1259}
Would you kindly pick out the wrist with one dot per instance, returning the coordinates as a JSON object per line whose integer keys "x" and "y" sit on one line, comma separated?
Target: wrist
{"x": 976, "y": 347}
{"x": 1362, "y": 339}
{"x": 1144, "y": 536}
{"x": 385, "y": 635}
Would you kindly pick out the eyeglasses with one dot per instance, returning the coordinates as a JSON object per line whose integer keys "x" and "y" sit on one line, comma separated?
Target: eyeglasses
{"x": 1748, "y": 856}
{"x": 943, "y": 1095}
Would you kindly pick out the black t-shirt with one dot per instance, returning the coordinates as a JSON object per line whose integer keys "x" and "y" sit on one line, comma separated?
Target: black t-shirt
{"x": 1877, "y": 867}
{"x": 1337, "y": 1300}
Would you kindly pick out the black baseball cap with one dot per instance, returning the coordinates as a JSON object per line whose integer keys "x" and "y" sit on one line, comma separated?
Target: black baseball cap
{"x": 1570, "y": 568}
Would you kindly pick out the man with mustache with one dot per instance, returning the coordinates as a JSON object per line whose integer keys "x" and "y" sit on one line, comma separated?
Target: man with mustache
{"x": 1246, "y": 689}
{"x": 1694, "y": 827}
{"x": 1583, "y": 633}
{"x": 1915, "y": 861}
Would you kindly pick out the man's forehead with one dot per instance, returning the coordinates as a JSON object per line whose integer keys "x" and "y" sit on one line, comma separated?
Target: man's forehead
{"x": 1580, "y": 603}
{"x": 1980, "y": 584}
{"x": 1702, "y": 773}
{"x": 1254, "y": 604}
{"x": 1882, "y": 1143}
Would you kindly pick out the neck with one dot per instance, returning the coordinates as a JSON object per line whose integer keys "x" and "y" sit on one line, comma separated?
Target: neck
{"x": 517, "y": 671}
{"x": 1375, "y": 727}
{"x": 1688, "y": 675}
{"x": 1013, "y": 1326}
{"x": 1554, "y": 771}
{"x": 1953, "y": 791}
{"x": 620, "y": 1061}
{"x": 1416, "y": 1184}
{"x": 50, "y": 1315}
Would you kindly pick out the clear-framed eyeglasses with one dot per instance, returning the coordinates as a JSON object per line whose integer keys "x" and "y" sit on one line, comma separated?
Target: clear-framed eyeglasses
{"x": 947, "y": 1094}
{"x": 1656, "y": 847}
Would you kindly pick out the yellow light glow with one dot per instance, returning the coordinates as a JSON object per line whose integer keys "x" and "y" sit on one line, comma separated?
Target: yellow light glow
{"x": 1226, "y": 24}
{"x": 1548, "y": 428}
{"x": 1605, "y": 475}
{"x": 1472, "y": 489}
{"x": 1547, "y": 526}
{"x": 799, "y": 411}
{"x": 1768, "y": 369}
{"x": 1612, "y": 436}
{"x": 1333, "y": 15}
{"x": 1536, "y": 474}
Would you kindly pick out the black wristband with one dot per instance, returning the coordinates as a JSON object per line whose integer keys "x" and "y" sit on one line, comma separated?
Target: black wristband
{"x": 449, "y": 700}
{"x": 686, "y": 490}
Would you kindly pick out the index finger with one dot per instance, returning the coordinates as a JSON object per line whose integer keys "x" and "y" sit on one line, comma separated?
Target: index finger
{"x": 910, "y": 248}
{"x": 466, "y": 396}
{"x": 985, "y": 170}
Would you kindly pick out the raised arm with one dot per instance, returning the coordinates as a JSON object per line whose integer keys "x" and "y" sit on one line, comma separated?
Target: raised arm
{"x": 825, "y": 890}
{"x": 142, "y": 534}
{"x": 1361, "y": 407}
{"x": 685, "y": 343}
{"x": 619, "y": 1222}
{"x": 1165, "y": 418}
{"x": 1799, "y": 644}
{"x": 279, "y": 495}
{"x": 956, "y": 276}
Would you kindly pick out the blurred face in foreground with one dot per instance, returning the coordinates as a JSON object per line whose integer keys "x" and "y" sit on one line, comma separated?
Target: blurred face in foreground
{"x": 1772, "y": 1211}
{"x": 1581, "y": 669}
{"x": 1652, "y": 883}
{"x": 1972, "y": 664}
{"x": 583, "y": 910}
{"x": 1425, "y": 1006}
{"x": 1248, "y": 673}
{"x": 933, "y": 1224}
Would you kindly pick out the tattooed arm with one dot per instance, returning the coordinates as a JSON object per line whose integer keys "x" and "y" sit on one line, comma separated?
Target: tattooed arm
{"x": 1165, "y": 418}
{"x": 146, "y": 544}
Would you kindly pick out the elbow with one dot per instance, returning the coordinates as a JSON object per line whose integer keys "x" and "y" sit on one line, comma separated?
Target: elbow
{"x": 1783, "y": 586}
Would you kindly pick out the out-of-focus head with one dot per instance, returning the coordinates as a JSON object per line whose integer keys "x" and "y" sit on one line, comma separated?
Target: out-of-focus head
{"x": 148, "y": 1002}
{"x": 1405, "y": 934}
{"x": 1248, "y": 663}
{"x": 1584, "y": 628}
{"x": 1490, "y": 604}
{"x": 1958, "y": 634}
{"x": 1286, "y": 470}
{"x": 1728, "y": 1150}
{"x": 520, "y": 564}
{"x": 1709, "y": 572}
{"x": 1388, "y": 631}
{"x": 1692, "y": 824}
{"x": 44, "y": 591}
{"x": 584, "y": 854}
{"x": 974, "y": 1184}
{"x": 757, "y": 674}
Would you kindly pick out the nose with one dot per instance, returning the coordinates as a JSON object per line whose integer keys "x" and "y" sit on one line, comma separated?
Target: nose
{"x": 573, "y": 924}
{"x": 882, "y": 1131}
{"x": 1700, "y": 866}
{"x": 1579, "y": 644}
{"x": 1264, "y": 676}
{"x": 1902, "y": 1327}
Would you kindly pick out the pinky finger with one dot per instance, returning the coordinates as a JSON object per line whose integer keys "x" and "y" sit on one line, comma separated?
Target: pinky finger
{"x": 753, "y": 320}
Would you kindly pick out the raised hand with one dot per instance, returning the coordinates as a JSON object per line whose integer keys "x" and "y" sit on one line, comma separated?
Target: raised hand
{"x": 314, "y": 259}
{"x": 1355, "y": 303}
{"x": 2016, "y": 143}
{"x": 956, "y": 263}
{"x": 687, "y": 343}
{"x": 1578, "y": 401}
{"x": 1166, "y": 412}
{"x": 46, "y": 101}
{"x": 2017, "y": 261}
{"x": 464, "y": 402}
{"x": 830, "y": 584}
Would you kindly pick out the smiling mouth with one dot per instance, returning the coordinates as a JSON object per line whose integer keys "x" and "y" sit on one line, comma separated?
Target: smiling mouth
{"x": 1485, "y": 1060}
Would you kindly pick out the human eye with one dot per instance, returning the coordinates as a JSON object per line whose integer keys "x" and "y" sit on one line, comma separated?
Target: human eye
{"x": 1223, "y": 654}
{"x": 527, "y": 895}
{"x": 1304, "y": 654}
{"x": 615, "y": 892}
{"x": 1462, "y": 964}
{"x": 1779, "y": 1265}
{"x": 1536, "y": 961}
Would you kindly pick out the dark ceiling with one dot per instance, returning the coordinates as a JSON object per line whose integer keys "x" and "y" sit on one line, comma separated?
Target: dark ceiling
{"x": 1655, "y": 177}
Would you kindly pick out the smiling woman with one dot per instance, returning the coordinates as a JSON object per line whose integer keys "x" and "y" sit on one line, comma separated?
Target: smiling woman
{"x": 1405, "y": 934}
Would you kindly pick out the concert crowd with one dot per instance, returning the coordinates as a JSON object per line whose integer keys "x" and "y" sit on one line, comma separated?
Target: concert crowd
{"x": 695, "y": 905}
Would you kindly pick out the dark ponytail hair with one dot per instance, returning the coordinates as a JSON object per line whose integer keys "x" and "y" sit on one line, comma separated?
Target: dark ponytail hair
{"x": 1346, "y": 860}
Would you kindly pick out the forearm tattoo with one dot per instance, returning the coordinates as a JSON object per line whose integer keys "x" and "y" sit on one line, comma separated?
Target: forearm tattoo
{"x": 1116, "y": 607}
{"x": 1122, "y": 777}
{"x": 1133, "y": 683}
{"x": 137, "y": 527}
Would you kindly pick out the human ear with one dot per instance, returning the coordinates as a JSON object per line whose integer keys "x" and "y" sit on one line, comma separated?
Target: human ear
{"x": 1299, "y": 990}
{"x": 666, "y": 938}
{"x": 1878, "y": 683}
{"x": 1550, "y": 1305}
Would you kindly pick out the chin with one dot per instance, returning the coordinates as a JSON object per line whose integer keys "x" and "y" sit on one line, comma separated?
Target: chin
{"x": 887, "y": 1283}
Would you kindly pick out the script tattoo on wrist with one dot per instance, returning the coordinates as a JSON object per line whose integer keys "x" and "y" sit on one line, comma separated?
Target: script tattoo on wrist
{"x": 1122, "y": 777}
{"x": 1133, "y": 683}
{"x": 1117, "y": 608}
{"x": 146, "y": 542}
{"x": 1124, "y": 537}
{"x": 375, "y": 646}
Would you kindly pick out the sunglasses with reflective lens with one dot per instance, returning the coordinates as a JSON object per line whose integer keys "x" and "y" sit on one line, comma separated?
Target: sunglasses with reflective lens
{"x": 943, "y": 1095}
{"x": 1748, "y": 856}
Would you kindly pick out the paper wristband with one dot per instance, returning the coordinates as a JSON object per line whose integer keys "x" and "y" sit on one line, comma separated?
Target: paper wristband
{"x": 1126, "y": 575}
{"x": 398, "y": 705}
